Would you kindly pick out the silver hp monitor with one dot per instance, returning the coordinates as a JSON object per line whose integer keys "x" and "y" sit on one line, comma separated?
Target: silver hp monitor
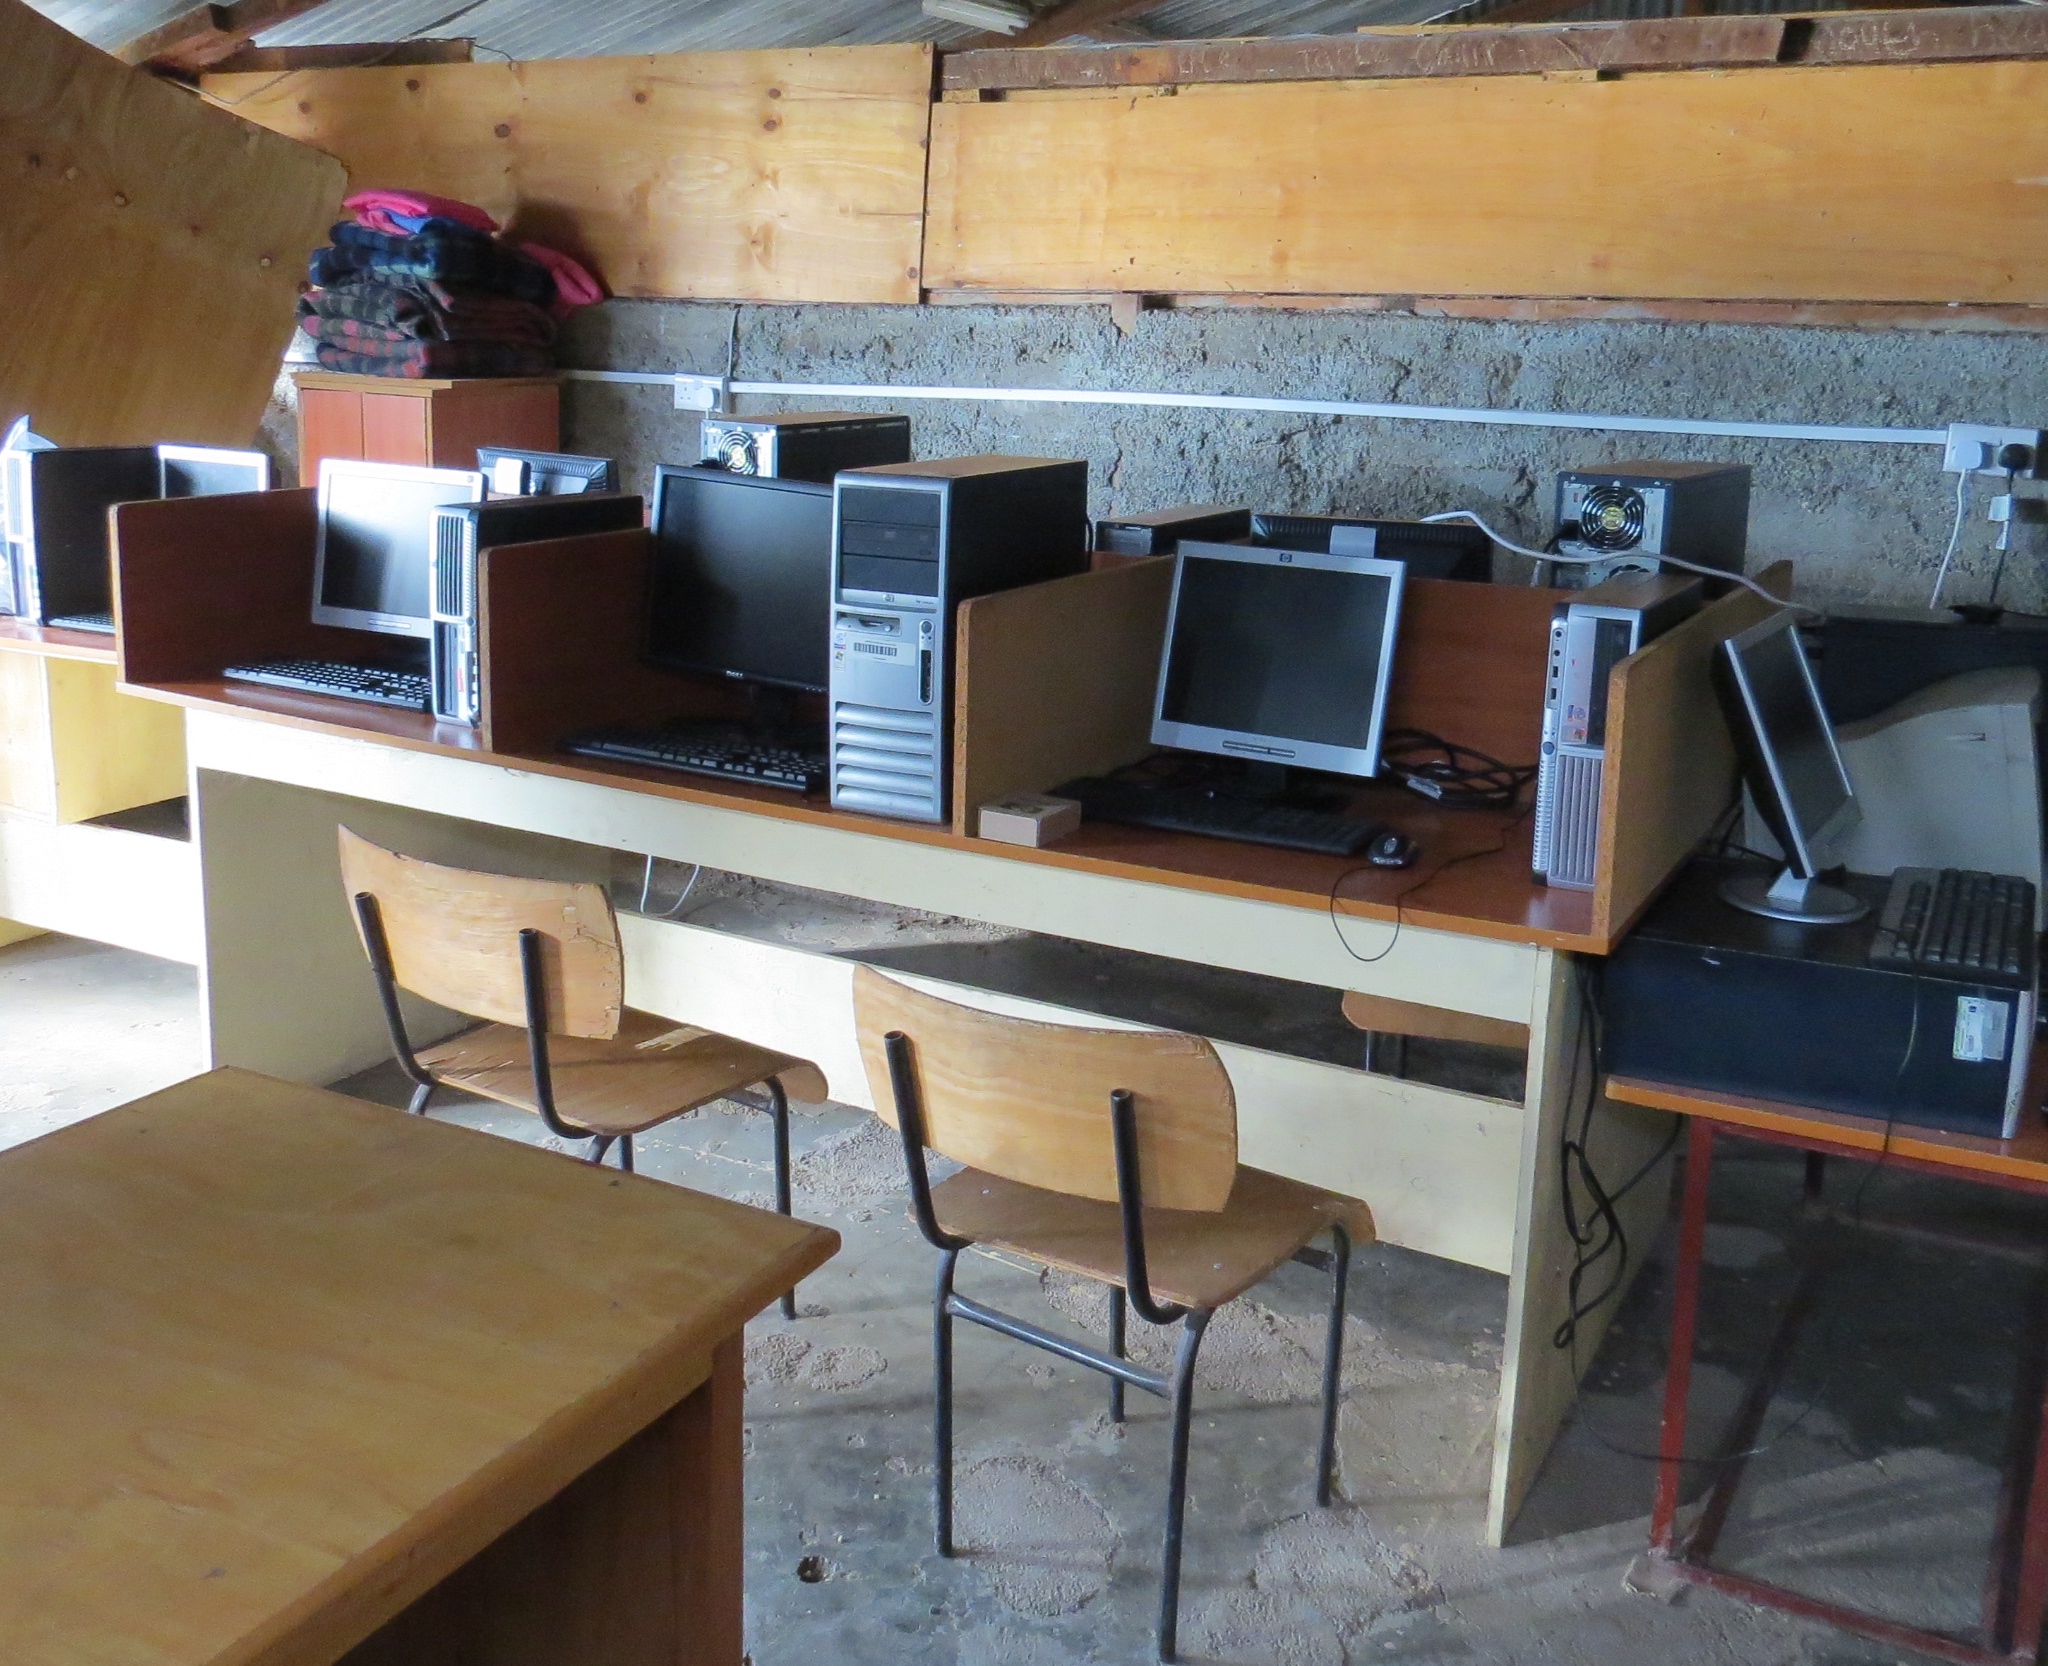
{"x": 210, "y": 471}
{"x": 1279, "y": 656}
{"x": 1794, "y": 769}
{"x": 373, "y": 561}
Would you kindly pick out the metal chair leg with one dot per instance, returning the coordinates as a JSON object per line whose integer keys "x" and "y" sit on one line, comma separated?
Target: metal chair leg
{"x": 1192, "y": 1328}
{"x": 778, "y": 1108}
{"x": 942, "y": 1403}
{"x": 420, "y": 1095}
{"x": 598, "y": 1151}
{"x": 1333, "y": 1362}
{"x": 1118, "y": 1305}
{"x": 626, "y": 1153}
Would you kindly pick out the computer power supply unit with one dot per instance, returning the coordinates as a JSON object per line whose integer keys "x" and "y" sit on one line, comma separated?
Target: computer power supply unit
{"x": 804, "y": 445}
{"x": 1628, "y": 514}
{"x": 1588, "y": 639}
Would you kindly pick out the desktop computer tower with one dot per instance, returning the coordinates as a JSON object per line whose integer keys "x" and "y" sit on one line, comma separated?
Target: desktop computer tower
{"x": 1160, "y": 531}
{"x": 909, "y": 543}
{"x": 1632, "y": 512}
{"x": 463, "y": 530}
{"x": 54, "y": 557}
{"x": 1588, "y": 639}
{"x": 804, "y": 445}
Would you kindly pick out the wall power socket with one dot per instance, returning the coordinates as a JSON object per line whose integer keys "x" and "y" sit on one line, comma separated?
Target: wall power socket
{"x": 1979, "y": 448}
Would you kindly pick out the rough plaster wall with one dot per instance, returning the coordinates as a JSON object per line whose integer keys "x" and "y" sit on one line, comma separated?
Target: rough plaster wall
{"x": 1864, "y": 522}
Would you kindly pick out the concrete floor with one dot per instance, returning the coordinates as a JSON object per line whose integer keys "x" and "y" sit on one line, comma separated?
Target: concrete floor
{"x": 1876, "y": 1484}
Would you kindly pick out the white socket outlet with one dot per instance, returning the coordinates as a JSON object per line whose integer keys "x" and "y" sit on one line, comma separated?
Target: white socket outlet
{"x": 701, "y": 393}
{"x": 1973, "y": 448}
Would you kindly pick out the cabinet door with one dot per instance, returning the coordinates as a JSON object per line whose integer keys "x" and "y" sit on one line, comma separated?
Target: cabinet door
{"x": 330, "y": 425}
{"x": 395, "y": 428}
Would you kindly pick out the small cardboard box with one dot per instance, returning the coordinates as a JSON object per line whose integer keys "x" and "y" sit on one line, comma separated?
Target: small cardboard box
{"x": 1029, "y": 819}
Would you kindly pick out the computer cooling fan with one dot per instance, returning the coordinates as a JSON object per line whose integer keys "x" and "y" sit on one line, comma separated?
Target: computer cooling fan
{"x": 1611, "y": 518}
{"x": 736, "y": 450}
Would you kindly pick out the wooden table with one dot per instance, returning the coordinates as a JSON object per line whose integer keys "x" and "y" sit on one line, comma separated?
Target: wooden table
{"x": 2016, "y": 1593}
{"x": 292, "y": 1379}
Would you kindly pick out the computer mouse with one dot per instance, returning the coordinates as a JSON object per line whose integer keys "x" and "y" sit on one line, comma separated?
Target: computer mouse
{"x": 1391, "y": 850}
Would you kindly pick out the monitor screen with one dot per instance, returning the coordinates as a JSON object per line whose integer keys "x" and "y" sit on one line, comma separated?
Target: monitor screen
{"x": 1279, "y": 655}
{"x": 203, "y": 471}
{"x": 542, "y": 473}
{"x": 376, "y": 534}
{"x": 742, "y": 577}
{"x": 1787, "y": 742}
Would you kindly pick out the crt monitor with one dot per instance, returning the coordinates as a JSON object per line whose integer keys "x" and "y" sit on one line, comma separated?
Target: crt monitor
{"x": 373, "y": 556}
{"x": 1794, "y": 769}
{"x": 208, "y": 471}
{"x": 742, "y": 576}
{"x": 543, "y": 473}
{"x": 1279, "y": 656}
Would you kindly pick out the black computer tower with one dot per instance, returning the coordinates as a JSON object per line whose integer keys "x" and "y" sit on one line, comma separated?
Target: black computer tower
{"x": 804, "y": 445}
{"x": 1704, "y": 995}
{"x": 1160, "y": 531}
{"x": 53, "y": 525}
{"x": 461, "y": 532}
{"x": 909, "y": 543}
{"x": 1629, "y": 513}
{"x": 1450, "y": 549}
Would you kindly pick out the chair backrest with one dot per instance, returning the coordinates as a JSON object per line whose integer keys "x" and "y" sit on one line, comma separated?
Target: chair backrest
{"x": 454, "y": 939}
{"x": 1030, "y": 1101}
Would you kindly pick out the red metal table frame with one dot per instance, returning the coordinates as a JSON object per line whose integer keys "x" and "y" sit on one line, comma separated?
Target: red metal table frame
{"x": 2016, "y": 1595}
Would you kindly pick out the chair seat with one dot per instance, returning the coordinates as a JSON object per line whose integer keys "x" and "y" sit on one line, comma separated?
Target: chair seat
{"x": 1194, "y": 1258}
{"x": 654, "y": 1069}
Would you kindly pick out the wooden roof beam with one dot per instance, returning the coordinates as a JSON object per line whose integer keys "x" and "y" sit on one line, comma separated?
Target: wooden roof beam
{"x": 207, "y": 35}
{"x": 1069, "y": 18}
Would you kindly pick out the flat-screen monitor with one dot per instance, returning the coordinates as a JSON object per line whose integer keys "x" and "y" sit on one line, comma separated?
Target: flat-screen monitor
{"x": 1429, "y": 550}
{"x": 1794, "y": 769}
{"x": 207, "y": 471}
{"x": 543, "y": 473}
{"x": 373, "y": 558}
{"x": 1279, "y": 656}
{"x": 742, "y": 577}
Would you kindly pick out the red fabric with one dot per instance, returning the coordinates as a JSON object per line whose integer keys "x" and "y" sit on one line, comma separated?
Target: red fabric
{"x": 416, "y": 202}
{"x": 574, "y": 285}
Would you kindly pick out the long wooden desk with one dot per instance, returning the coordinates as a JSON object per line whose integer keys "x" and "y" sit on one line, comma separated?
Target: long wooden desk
{"x": 1450, "y": 1173}
{"x": 292, "y": 1380}
{"x": 2016, "y": 1584}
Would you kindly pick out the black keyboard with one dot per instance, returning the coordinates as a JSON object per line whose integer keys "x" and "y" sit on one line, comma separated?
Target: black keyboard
{"x": 1959, "y": 924}
{"x": 101, "y": 622}
{"x": 710, "y": 749}
{"x": 1196, "y": 810}
{"x": 351, "y": 682}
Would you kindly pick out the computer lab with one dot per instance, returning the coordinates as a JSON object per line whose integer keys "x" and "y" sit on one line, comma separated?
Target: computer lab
{"x": 1023, "y": 833}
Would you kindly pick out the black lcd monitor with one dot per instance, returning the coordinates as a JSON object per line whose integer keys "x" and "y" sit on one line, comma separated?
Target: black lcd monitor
{"x": 373, "y": 561}
{"x": 208, "y": 471}
{"x": 742, "y": 576}
{"x": 1794, "y": 769}
{"x": 1279, "y": 656}
{"x": 543, "y": 473}
{"x": 1428, "y": 549}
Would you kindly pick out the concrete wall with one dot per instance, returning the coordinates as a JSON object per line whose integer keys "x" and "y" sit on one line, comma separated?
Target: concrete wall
{"x": 1864, "y": 522}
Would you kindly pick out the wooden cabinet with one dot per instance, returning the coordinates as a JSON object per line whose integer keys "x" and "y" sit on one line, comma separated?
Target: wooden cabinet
{"x": 389, "y": 419}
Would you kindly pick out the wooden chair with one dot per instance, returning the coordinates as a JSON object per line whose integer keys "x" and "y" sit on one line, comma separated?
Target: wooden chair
{"x": 1109, "y": 1153}
{"x": 539, "y": 961}
{"x": 1389, "y": 1023}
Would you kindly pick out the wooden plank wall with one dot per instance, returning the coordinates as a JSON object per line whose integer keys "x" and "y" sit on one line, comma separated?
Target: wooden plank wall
{"x": 153, "y": 247}
{"x": 1866, "y": 183}
{"x": 763, "y": 176}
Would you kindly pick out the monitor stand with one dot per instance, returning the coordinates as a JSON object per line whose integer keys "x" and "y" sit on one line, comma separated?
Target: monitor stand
{"x": 1804, "y": 902}
{"x": 1262, "y": 781}
{"x": 775, "y": 718}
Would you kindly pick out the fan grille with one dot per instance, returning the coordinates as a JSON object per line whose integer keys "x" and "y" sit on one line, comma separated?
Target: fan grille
{"x": 1611, "y": 518}
{"x": 735, "y": 450}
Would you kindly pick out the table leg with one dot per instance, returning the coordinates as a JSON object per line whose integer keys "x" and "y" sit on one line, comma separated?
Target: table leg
{"x": 708, "y": 1532}
{"x": 2030, "y": 1586}
{"x": 1685, "y": 1304}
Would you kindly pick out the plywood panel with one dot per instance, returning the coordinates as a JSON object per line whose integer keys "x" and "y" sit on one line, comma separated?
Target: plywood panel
{"x": 26, "y": 780}
{"x": 155, "y": 247}
{"x": 394, "y": 429}
{"x": 112, "y": 751}
{"x": 105, "y": 884}
{"x": 771, "y": 176}
{"x": 1864, "y": 183}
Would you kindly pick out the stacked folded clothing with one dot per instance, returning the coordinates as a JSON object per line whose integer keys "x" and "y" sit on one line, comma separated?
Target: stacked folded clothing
{"x": 421, "y": 286}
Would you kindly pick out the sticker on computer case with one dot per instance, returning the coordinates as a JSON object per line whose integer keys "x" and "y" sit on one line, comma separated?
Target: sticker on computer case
{"x": 1982, "y": 1027}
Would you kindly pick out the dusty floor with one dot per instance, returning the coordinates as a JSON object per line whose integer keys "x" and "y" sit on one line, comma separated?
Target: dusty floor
{"x": 1876, "y": 1483}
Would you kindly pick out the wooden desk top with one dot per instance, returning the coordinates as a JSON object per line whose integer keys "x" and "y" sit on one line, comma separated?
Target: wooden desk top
{"x": 2023, "y": 1158}
{"x": 19, "y": 636}
{"x": 278, "y": 1361}
{"x": 1473, "y": 878}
